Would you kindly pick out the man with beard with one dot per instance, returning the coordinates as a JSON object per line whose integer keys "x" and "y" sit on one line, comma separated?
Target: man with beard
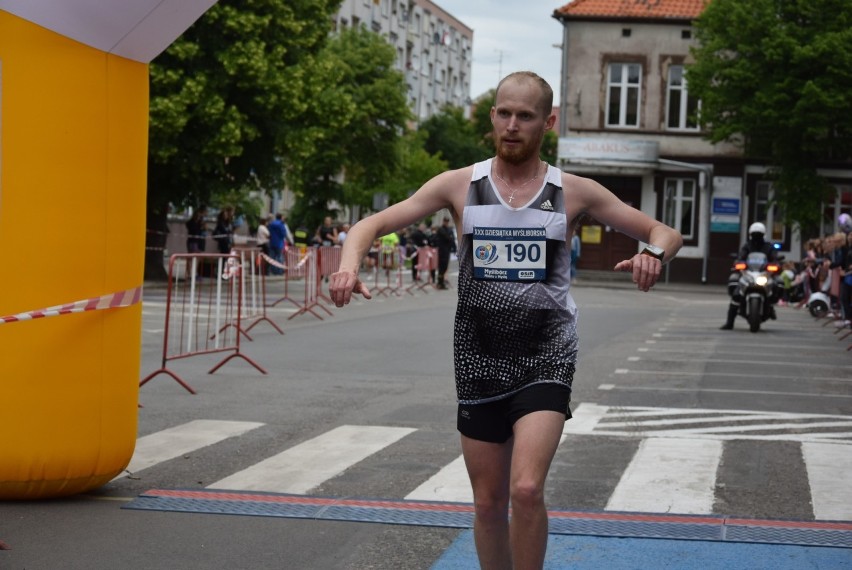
{"x": 515, "y": 343}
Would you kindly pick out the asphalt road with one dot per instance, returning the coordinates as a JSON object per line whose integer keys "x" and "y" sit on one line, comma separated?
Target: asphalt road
{"x": 654, "y": 367}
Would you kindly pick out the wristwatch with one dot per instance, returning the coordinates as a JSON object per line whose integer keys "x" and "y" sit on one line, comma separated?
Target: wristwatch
{"x": 654, "y": 251}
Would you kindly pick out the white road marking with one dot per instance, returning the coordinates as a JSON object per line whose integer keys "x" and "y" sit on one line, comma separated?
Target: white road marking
{"x": 829, "y": 467}
{"x": 636, "y": 421}
{"x": 305, "y": 466}
{"x": 585, "y": 418}
{"x": 669, "y": 476}
{"x": 727, "y": 391}
{"x": 179, "y": 440}
{"x": 727, "y": 374}
{"x": 449, "y": 484}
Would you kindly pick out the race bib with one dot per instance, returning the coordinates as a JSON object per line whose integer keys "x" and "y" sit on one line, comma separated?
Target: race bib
{"x": 509, "y": 254}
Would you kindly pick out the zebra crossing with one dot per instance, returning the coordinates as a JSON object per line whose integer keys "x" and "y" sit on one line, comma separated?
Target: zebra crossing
{"x": 673, "y": 469}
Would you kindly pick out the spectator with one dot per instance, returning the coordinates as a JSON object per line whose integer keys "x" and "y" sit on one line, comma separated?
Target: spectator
{"x": 277, "y": 237}
{"x": 446, "y": 242}
{"x": 223, "y": 233}
{"x": 341, "y": 233}
{"x": 576, "y": 248}
{"x": 262, "y": 239}
{"x": 417, "y": 240}
{"x": 846, "y": 283}
{"x": 389, "y": 250}
{"x": 196, "y": 229}
{"x": 327, "y": 234}
{"x": 300, "y": 239}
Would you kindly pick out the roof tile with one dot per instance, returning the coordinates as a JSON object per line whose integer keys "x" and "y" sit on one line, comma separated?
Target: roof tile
{"x": 656, "y": 9}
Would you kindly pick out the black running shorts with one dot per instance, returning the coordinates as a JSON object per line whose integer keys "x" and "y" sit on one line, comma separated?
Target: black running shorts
{"x": 494, "y": 421}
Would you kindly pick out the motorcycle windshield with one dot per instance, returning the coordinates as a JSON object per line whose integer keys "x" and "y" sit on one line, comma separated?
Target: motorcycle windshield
{"x": 756, "y": 261}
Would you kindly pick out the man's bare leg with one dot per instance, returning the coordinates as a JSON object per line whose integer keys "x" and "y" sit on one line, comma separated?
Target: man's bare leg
{"x": 535, "y": 441}
{"x": 488, "y": 468}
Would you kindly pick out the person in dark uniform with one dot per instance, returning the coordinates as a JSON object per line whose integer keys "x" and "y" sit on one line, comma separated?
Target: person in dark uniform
{"x": 446, "y": 242}
{"x": 756, "y": 243}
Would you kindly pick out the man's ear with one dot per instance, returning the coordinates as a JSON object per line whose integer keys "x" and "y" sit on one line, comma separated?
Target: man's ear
{"x": 551, "y": 120}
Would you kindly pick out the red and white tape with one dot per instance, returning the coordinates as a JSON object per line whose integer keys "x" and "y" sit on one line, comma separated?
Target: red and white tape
{"x": 112, "y": 301}
{"x": 273, "y": 262}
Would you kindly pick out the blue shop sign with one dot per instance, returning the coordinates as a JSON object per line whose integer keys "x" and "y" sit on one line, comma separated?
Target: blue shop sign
{"x": 726, "y": 206}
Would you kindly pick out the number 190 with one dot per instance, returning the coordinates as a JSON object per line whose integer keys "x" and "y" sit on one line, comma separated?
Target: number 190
{"x": 518, "y": 252}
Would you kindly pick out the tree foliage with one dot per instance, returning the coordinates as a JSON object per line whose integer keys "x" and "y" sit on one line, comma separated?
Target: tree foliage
{"x": 416, "y": 167}
{"x": 357, "y": 133}
{"x": 224, "y": 97}
{"x": 453, "y": 137}
{"x": 775, "y": 76}
{"x": 223, "y": 100}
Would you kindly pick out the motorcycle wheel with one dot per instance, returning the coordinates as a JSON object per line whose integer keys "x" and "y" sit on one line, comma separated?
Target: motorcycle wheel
{"x": 754, "y": 312}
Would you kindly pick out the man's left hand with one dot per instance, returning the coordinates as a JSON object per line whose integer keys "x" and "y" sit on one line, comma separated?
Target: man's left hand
{"x": 645, "y": 268}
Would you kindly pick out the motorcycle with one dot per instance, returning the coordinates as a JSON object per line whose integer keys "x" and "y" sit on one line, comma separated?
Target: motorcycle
{"x": 755, "y": 289}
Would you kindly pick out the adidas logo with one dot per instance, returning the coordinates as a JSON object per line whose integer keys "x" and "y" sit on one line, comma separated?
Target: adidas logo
{"x": 546, "y": 205}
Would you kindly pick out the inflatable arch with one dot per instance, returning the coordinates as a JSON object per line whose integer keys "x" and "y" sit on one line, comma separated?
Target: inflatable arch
{"x": 73, "y": 154}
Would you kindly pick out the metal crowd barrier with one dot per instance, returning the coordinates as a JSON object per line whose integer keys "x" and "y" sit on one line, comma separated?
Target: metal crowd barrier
{"x": 253, "y": 277}
{"x": 293, "y": 270}
{"x": 203, "y": 313}
{"x": 426, "y": 268}
{"x": 390, "y": 262}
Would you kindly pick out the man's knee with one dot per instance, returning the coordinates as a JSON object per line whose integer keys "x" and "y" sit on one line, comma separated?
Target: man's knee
{"x": 491, "y": 507}
{"x": 527, "y": 495}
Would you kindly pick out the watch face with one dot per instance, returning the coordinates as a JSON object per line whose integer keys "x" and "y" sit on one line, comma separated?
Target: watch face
{"x": 655, "y": 251}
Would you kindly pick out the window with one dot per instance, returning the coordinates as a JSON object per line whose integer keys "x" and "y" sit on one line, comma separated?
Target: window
{"x": 623, "y": 86}
{"x": 768, "y": 213}
{"x": 679, "y": 206}
{"x": 682, "y": 109}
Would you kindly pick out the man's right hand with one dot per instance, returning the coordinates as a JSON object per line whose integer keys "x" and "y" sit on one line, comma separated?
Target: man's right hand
{"x": 344, "y": 284}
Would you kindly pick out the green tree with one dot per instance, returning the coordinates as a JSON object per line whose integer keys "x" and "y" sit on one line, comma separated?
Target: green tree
{"x": 451, "y": 136}
{"x": 416, "y": 167}
{"x": 775, "y": 76}
{"x": 224, "y": 98}
{"x": 482, "y": 120}
{"x": 356, "y": 147}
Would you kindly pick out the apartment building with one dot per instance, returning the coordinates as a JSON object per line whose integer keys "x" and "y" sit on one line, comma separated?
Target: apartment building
{"x": 433, "y": 49}
{"x": 626, "y": 121}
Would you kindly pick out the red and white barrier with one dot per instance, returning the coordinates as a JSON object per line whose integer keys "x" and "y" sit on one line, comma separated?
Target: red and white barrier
{"x": 294, "y": 270}
{"x": 426, "y": 266}
{"x": 390, "y": 263}
{"x": 312, "y": 286}
{"x": 203, "y": 314}
{"x": 253, "y": 275}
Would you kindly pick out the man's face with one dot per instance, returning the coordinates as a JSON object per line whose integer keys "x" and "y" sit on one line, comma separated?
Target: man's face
{"x": 518, "y": 120}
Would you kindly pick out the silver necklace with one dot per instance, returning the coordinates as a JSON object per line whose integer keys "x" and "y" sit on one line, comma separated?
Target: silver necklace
{"x": 513, "y": 190}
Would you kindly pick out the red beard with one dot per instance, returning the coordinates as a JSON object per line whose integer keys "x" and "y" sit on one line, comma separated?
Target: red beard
{"x": 516, "y": 153}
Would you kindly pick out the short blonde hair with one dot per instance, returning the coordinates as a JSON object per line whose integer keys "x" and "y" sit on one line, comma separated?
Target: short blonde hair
{"x": 528, "y": 76}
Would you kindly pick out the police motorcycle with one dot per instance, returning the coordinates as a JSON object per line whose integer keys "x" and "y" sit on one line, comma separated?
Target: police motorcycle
{"x": 755, "y": 289}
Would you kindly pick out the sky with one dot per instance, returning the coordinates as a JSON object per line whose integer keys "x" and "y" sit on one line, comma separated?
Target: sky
{"x": 510, "y": 35}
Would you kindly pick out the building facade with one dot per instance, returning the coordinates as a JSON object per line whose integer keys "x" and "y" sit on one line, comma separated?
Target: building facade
{"x": 627, "y": 122}
{"x": 434, "y": 50}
